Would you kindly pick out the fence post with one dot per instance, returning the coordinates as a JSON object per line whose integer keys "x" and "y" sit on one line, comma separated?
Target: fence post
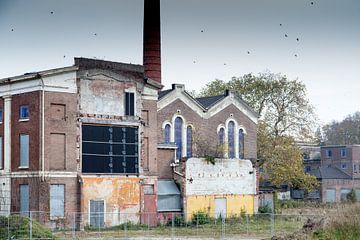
{"x": 74, "y": 225}
{"x": 30, "y": 226}
{"x": 223, "y": 227}
{"x": 272, "y": 224}
{"x": 247, "y": 224}
{"x": 172, "y": 226}
{"x": 9, "y": 226}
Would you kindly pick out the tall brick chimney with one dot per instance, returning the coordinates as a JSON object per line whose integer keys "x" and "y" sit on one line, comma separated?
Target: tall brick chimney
{"x": 152, "y": 41}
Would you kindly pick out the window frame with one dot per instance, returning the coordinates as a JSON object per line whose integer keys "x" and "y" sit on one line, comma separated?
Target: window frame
{"x": 21, "y": 117}
{"x": 27, "y": 152}
{"x": 343, "y": 152}
{"x": 328, "y": 153}
{"x": 53, "y": 217}
{"x": 24, "y": 211}
{"x": 131, "y": 112}
{"x": 1, "y": 115}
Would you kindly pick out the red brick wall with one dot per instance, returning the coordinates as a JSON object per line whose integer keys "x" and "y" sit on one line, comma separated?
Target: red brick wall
{"x": 55, "y": 123}
{"x": 31, "y": 127}
{"x": 2, "y": 129}
{"x": 206, "y": 128}
{"x": 165, "y": 158}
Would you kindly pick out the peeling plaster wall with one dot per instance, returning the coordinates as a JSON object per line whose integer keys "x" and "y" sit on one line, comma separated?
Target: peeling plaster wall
{"x": 227, "y": 176}
{"x": 121, "y": 197}
{"x": 231, "y": 179}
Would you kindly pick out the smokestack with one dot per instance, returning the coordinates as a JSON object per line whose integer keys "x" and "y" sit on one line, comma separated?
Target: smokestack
{"x": 152, "y": 41}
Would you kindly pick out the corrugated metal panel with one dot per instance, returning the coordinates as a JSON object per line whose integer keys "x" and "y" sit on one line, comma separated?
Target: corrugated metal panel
{"x": 167, "y": 187}
{"x": 57, "y": 201}
{"x": 330, "y": 195}
{"x": 169, "y": 198}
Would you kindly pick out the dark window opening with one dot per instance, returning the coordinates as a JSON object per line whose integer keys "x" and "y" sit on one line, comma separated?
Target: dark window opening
{"x": 129, "y": 104}
{"x": 24, "y": 112}
{"x": 109, "y": 149}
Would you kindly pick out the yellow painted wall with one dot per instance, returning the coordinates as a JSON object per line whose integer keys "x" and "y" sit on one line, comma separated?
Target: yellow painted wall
{"x": 234, "y": 204}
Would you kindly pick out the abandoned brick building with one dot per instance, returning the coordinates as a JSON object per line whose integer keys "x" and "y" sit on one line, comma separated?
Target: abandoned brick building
{"x": 101, "y": 137}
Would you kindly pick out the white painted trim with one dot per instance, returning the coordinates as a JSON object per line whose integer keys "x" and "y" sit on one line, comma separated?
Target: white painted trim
{"x": 52, "y": 174}
{"x": 166, "y": 122}
{"x": 179, "y": 94}
{"x": 243, "y": 128}
{"x": 220, "y": 126}
{"x": 183, "y": 133}
{"x": 7, "y": 133}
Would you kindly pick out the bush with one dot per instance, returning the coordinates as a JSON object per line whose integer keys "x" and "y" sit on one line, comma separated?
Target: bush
{"x": 265, "y": 209}
{"x": 19, "y": 227}
{"x": 351, "y": 196}
{"x": 201, "y": 218}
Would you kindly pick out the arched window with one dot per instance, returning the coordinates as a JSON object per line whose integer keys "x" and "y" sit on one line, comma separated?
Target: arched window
{"x": 231, "y": 139}
{"x": 178, "y": 137}
{"x": 167, "y": 134}
{"x": 189, "y": 140}
{"x": 221, "y": 136}
{"x": 241, "y": 143}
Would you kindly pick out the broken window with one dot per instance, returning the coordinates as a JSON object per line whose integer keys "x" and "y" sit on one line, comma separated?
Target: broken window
{"x": 241, "y": 143}
{"x": 231, "y": 139}
{"x": 109, "y": 149}
{"x": 189, "y": 141}
{"x": 57, "y": 201}
{"x": 129, "y": 104}
{"x": 178, "y": 137}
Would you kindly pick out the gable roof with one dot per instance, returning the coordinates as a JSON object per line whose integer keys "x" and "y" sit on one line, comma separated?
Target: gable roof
{"x": 207, "y": 102}
{"x": 325, "y": 172}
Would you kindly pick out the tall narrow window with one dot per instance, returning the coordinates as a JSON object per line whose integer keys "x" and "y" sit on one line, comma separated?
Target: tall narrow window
{"x": 24, "y": 150}
{"x": 24, "y": 199}
{"x": 129, "y": 104}
{"x": 24, "y": 112}
{"x": 1, "y": 115}
{"x": 231, "y": 139}
{"x": 167, "y": 134}
{"x": 178, "y": 137}
{"x": 221, "y": 136}
{"x": 57, "y": 201}
{"x": 189, "y": 141}
{"x": 97, "y": 213}
{"x": 241, "y": 143}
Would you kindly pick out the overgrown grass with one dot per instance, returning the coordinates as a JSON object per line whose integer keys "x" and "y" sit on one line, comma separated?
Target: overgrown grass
{"x": 18, "y": 227}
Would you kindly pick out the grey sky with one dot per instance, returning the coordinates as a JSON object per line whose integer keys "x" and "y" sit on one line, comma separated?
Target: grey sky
{"x": 327, "y": 52}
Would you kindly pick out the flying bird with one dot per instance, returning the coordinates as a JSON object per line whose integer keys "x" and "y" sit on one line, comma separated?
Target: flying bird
{"x": 280, "y": 24}
{"x": 295, "y": 55}
{"x": 312, "y": 3}
{"x": 12, "y": 29}
{"x": 95, "y": 34}
{"x": 248, "y": 52}
{"x": 297, "y": 39}
{"x": 194, "y": 61}
{"x": 64, "y": 56}
{"x": 51, "y": 12}
{"x": 202, "y": 31}
{"x": 286, "y": 35}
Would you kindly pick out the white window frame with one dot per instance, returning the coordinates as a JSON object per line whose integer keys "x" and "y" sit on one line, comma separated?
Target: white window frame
{"x": 130, "y": 90}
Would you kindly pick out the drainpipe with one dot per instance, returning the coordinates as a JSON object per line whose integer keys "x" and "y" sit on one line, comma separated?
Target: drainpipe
{"x": 42, "y": 106}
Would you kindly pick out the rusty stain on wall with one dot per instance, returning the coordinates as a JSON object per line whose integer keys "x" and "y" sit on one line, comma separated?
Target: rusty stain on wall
{"x": 121, "y": 196}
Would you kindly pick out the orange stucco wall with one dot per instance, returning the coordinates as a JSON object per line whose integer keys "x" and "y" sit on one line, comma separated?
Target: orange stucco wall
{"x": 121, "y": 196}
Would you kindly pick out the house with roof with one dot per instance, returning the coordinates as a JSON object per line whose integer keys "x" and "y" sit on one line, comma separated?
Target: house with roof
{"x": 223, "y": 127}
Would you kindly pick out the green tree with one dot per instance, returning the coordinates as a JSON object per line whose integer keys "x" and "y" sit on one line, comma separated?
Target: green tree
{"x": 285, "y": 115}
{"x": 346, "y": 131}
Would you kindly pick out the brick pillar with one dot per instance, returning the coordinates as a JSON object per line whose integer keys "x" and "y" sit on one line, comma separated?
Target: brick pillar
{"x": 152, "y": 40}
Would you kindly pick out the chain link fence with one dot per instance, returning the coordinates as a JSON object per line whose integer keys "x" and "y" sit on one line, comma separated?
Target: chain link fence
{"x": 40, "y": 225}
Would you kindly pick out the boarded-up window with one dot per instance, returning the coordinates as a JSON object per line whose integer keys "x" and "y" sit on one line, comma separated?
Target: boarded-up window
{"x": 129, "y": 104}
{"x": 57, "y": 111}
{"x": 57, "y": 151}
{"x": 146, "y": 153}
{"x": 24, "y": 150}
{"x": 57, "y": 201}
{"x": 97, "y": 213}
{"x": 24, "y": 199}
{"x": 109, "y": 149}
{"x": 145, "y": 117}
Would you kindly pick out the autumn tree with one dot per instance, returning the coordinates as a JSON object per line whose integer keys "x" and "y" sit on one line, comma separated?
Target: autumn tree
{"x": 285, "y": 115}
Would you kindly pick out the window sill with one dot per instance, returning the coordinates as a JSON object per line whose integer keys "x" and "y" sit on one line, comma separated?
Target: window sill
{"x": 23, "y": 119}
{"x": 23, "y": 167}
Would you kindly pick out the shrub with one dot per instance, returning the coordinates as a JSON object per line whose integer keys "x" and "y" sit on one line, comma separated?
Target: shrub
{"x": 265, "y": 209}
{"x": 201, "y": 218}
{"x": 351, "y": 196}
